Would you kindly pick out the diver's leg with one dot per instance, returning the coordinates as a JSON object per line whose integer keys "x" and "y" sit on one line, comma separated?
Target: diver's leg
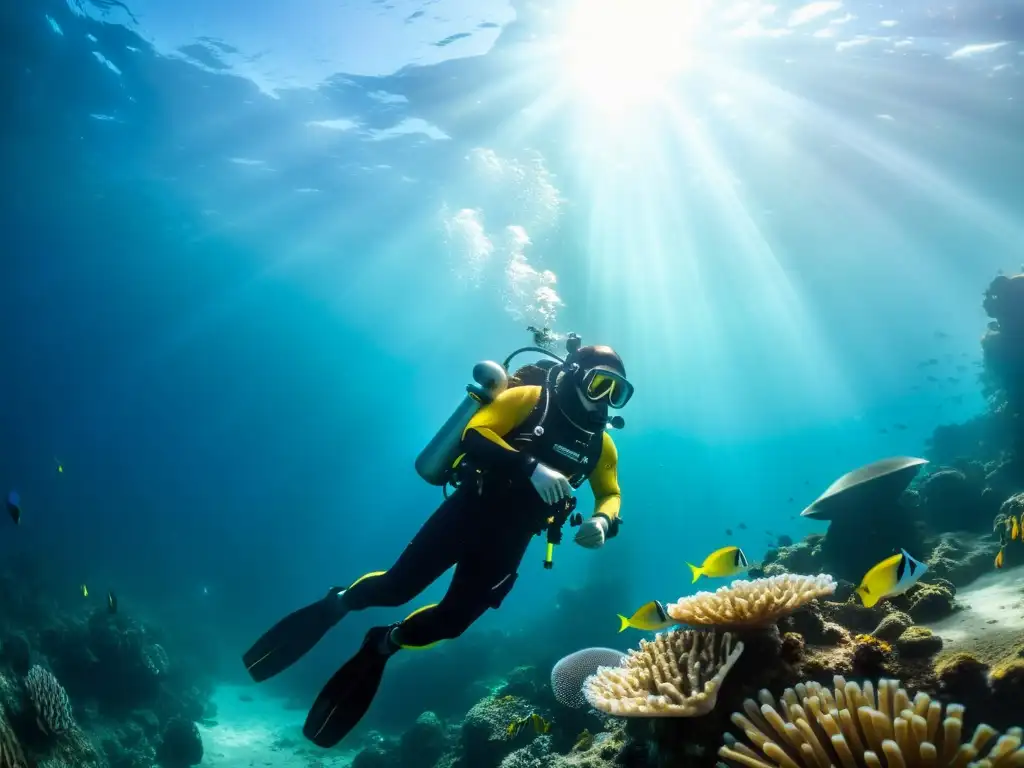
{"x": 483, "y": 578}
{"x": 433, "y": 550}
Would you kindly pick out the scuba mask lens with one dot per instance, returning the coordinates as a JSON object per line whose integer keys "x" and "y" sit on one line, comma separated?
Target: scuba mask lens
{"x": 601, "y": 383}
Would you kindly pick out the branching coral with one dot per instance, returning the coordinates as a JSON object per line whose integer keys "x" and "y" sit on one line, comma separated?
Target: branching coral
{"x": 11, "y": 754}
{"x": 851, "y": 726}
{"x": 51, "y": 702}
{"x": 677, "y": 674}
{"x": 754, "y": 603}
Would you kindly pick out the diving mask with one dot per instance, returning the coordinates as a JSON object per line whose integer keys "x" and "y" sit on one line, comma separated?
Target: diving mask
{"x": 604, "y": 383}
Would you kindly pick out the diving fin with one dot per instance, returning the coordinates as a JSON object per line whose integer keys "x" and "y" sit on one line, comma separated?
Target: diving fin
{"x": 293, "y": 636}
{"x": 348, "y": 695}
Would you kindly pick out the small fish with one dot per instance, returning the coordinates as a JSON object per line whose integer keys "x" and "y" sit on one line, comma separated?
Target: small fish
{"x": 941, "y": 335}
{"x": 999, "y": 558}
{"x": 14, "y": 507}
{"x": 742, "y": 526}
{"x": 883, "y": 430}
{"x": 59, "y": 466}
{"x": 727, "y": 561}
{"x": 111, "y": 602}
{"x": 85, "y": 590}
{"x": 893, "y": 576}
{"x": 900, "y": 427}
{"x": 1014, "y": 528}
{"x": 649, "y": 617}
{"x": 790, "y": 500}
{"x": 535, "y": 721}
{"x": 932, "y": 379}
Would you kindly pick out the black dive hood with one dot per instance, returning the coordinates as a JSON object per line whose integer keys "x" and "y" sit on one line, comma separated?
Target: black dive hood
{"x": 566, "y": 391}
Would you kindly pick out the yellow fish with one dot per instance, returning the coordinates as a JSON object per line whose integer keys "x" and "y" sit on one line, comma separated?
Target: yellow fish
{"x": 1014, "y": 529}
{"x": 538, "y": 723}
{"x": 85, "y": 591}
{"x": 727, "y": 561}
{"x": 648, "y": 617}
{"x": 999, "y": 558}
{"x": 893, "y": 576}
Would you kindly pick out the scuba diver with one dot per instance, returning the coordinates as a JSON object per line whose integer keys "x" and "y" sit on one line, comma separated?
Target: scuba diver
{"x": 514, "y": 451}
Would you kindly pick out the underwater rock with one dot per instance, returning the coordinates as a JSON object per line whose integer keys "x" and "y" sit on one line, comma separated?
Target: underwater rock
{"x": 181, "y": 745}
{"x": 1007, "y": 681}
{"x": 951, "y": 500}
{"x": 484, "y": 737}
{"x": 892, "y": 626}
{"x": 931, "y": 602}
{"x": 802, "y": 557}
{"x": 960, "y": 558}
{"x": 962, "y": 675}
{"x": 423, "y": 744}
{"x": 918, "y": 643}
{"x": 524, "y": 681}
{"x": 536, "y": 754}
{"x": 376, "y": 756}
{"x": 16, "y": 653}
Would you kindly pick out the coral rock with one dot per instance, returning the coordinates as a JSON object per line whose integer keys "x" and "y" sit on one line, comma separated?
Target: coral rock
{"x": 961, "y": 674}
{"x": 892, "y": 626}
{"x": 930, "y": 602}
{"x": 918, "y": 643}
{"x": 423, "y": 743}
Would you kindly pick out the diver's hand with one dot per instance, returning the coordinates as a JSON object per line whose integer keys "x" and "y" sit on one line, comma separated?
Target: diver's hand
{"x": 591, "y": 534}
{"x": 550, "y": 484}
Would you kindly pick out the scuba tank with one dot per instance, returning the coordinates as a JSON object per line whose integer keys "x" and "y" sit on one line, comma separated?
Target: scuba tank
{"x": 434, "y": 464}
{"x": 436, "y": 461}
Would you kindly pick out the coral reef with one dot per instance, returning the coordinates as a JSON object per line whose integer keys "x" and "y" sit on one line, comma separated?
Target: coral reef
{"x": 91, "y": 688}
{"x": 755, "y": 603}
{"x": 849, "y": 725}
{"x": 569, "y": 674}
{"x": 675, "y": 675}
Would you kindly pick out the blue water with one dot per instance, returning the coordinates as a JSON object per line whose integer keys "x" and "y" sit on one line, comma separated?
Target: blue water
{"x": 251, "y": 254}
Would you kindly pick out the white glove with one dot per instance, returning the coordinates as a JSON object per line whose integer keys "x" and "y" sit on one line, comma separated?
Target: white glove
{"x": 591, "y": 534}
{"x": 550, "y": 484}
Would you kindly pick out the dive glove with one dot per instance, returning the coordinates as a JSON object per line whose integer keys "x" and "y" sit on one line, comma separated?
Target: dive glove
{"x": 592, "y": 533}
{"x": 551, "y": 485}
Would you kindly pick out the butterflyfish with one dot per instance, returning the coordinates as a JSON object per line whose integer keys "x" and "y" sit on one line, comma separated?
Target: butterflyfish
{"x": 727, "y": 561}
{"x": 893, "y": 576}
{"x": 535, "y": 721}
{"x": 649, "y": 617}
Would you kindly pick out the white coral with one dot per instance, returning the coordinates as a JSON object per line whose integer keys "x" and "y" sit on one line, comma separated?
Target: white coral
{"x": 753, "y": 603}
{"x": 678, "y": 674}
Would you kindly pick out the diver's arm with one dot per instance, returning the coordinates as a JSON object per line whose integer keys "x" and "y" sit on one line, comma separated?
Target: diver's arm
{"x": 604, "y": 482}
{"x": 484, "y": 437}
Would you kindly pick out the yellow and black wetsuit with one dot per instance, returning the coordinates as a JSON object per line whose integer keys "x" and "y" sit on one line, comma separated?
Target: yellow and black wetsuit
{"x": 485, "y": 527}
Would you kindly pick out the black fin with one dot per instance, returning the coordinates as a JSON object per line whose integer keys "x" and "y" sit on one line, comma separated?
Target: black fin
{"x": 348, "y": 694}
{"x": 292, "y": 637}
{"x": 901, "y": 568}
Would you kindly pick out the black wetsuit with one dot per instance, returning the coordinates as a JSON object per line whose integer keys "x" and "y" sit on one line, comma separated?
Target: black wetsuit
{"x": 484, "y": 528}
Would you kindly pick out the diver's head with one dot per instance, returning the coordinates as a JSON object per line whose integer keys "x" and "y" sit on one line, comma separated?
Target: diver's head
{"x": 594, "y": 380}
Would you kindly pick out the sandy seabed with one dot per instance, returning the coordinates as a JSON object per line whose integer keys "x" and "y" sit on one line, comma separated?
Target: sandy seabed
{"x": 255, "y": 730}
{"x": 991, "y": 618}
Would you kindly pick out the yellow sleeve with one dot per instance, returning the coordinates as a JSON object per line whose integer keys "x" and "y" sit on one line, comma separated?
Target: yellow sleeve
{"x": 604, "y": 480}
{"x": 507, "y": 411}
